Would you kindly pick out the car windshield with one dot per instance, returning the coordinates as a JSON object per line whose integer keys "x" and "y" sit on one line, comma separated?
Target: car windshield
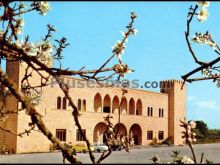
{"x": 100, "y": 144}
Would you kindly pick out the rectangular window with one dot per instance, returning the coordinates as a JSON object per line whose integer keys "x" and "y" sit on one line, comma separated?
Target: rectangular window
{"x": 148, "y": 111}
{"x": 79, "y": 104}
{"x": 160, "y": 135}
{"x": 79, "y": 137}
{"x": 149, "y": 135}
{"x": 161, "y": 112}
{"x": 61, "y": 134}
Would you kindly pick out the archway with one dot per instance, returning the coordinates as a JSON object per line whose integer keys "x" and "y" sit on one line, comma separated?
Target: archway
{"x": 115, "y": 105}
{"x": 136, "y": 133}
{"x": 121, "y": 130}
{"x": 131, "y": 106}
{"x": 107, "y": 104}
{"x": 98, "y": 132}
{"x": 139, "y": 107}
{"x": 98, "y": 103}
{"x": 124, "y": 106}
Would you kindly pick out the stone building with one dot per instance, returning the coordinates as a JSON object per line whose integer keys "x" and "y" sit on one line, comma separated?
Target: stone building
{"x": 144, "y": 115}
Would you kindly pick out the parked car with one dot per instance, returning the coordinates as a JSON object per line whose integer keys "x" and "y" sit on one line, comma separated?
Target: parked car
{"x": 82, "y": 147}
{"x": 167, "y": 141}
{"x": 116, "y": 146}
{"x": 100, "y": 147}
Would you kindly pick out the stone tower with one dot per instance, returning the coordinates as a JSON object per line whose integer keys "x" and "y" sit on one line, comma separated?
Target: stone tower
{"x": 16, "y": 123}
{"x": 9, "y": 140}
{"x": 176, "y": 108}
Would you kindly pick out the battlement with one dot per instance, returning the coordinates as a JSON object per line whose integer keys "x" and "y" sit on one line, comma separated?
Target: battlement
{"x": 166, "y": 84}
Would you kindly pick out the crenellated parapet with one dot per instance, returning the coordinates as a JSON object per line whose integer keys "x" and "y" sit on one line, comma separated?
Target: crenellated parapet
{"x": 169, "y": 84}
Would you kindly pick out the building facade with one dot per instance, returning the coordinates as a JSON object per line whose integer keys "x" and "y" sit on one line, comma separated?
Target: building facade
{"x": 144, "y": 115}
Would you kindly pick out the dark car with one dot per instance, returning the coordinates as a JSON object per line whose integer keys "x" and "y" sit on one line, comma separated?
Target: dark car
{"x": 116, "y": 146}
{"x": 167, "y": 141}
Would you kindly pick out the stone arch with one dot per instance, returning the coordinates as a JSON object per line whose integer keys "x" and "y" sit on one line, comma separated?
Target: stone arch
{"x": 139, "y": 107}
{"x": 98, "y": 103}
{"x": 115, "y": 105}
{"x": 124, "y": 105}
{"x": 98, "y": 132}
{"x": 131, "y": 107}
{"x": 120, "y": 129}
{"x": 107, "y": 104}
{"x": 135, "y": 132}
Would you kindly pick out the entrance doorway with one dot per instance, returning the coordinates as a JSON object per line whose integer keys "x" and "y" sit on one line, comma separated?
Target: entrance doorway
{"x": 135, "y": 139}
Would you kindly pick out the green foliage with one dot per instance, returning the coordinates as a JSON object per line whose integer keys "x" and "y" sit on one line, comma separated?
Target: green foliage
{"x": 201, "y": 129}
{"x": 214, "y": 134}
{"x": 206, "y": 135}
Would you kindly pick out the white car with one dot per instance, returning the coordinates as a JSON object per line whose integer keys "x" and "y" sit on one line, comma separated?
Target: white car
{"x": 100, "y": 147}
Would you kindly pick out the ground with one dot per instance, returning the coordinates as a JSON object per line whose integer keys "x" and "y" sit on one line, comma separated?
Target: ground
{"x": 143, "y": 155}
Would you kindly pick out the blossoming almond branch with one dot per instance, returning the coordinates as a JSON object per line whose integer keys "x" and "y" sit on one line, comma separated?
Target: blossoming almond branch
{"x": 40, "y": 57}
{"x": 210, "y": 70}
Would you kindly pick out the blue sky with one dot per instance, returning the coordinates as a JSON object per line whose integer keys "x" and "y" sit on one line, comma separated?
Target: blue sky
{"x": 157, "y": 52}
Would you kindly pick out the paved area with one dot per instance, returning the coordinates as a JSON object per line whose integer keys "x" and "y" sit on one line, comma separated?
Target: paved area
{"x": 143, "y": 155}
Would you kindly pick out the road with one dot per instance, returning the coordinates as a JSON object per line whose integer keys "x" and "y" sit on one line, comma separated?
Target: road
{"x": 143, "y": 155}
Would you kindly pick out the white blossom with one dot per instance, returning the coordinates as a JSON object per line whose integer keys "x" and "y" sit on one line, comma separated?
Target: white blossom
{"x": 20, "y": 22}
{"x": 44, "y": 7}
{"x": 46, "y": 46}
{"x": 204, "y": 4}
{"x": 205, "y": 72}
{"x": 192, "y": 124}
{"x": 45, "y": 50}
{"x": 30, "y": 49}
{"x": 17, "y": 31}
{"x": 213, "y": 45}
{"x": 187, "y": 160}
{"x": 18, "y": 43}
{"x": 204, "y": 39}
{"x": 118, "y": 48}
{"x": 46, "y": 58}
{"x": 203, "y": 15}
{"x": 122, "y": 69}
{"x": 135, "y": 31}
